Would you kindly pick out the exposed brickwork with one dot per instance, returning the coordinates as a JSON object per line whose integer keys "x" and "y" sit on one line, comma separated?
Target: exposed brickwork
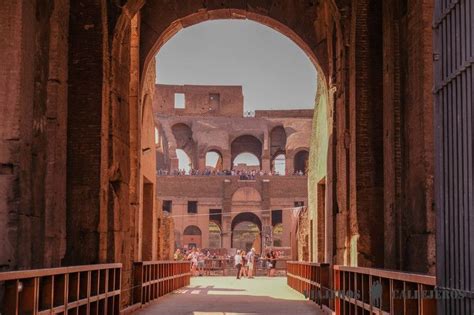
{"x": 200, "y": 100}
{"x": 79, "y": 67}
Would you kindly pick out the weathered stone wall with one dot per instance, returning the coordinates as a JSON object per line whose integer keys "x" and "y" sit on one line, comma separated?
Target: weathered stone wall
{"x": 199, "y": 135}
{"x": 70, "y": 83}
{"x": 200, "y": 100}
{"x": 318, "y": 170}
{"x": 232, "y": 196}
{"x": 289, "y": 113}
{"x": 32, "y": 133}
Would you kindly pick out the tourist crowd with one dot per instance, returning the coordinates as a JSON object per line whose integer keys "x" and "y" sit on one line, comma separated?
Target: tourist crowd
{"x": 243, "y": 174}
{"x": 244, "y": 263}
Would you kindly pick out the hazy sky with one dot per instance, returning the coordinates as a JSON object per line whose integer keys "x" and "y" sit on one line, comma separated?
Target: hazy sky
{"x": 274, "y": 72}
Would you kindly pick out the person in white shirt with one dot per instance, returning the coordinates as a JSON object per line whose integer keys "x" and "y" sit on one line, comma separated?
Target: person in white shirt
{"x": 238, "y": 263}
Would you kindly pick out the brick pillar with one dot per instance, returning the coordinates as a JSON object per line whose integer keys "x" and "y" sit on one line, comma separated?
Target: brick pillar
{"x": 85, "y": 118}
{"x": 227, "y": 161}
{"x": 201, "y": 163}
{"x": 226, "y": 216}
{"x": 266, "y": 165}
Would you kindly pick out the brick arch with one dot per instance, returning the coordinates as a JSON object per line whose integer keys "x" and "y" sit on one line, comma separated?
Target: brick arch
{"x": 246, "y": 144}
{"x": 183, "y": 136}
{"x": 277, "y": 141}
{"x": 161, "y": 21}
{"x": 300, "y": 160}
{"x": 246, "y": 217}
{"x": 219, "y": 151}
{"x": 246, "y": 194}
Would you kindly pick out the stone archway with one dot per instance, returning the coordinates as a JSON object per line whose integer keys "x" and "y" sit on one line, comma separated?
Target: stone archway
{"x": 214, "y": 160}
{"x": 192, "y": 237}
{"x": 246, "y": 144}
{"x": 301, "y": 161}
{"x": 246, "y": 228}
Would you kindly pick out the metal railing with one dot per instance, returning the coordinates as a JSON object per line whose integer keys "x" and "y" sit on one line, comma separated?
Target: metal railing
{"x": 379, "y": 291}
{"x": 92, "y": 289}
{"x": 153, "y": 279}
{"x": 311, "y": 279}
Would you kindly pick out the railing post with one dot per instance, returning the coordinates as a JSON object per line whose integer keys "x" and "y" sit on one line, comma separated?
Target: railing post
{"x": 137, "y": 283}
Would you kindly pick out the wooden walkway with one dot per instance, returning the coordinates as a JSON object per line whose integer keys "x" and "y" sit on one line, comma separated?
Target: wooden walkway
{"x": 227, "y": 295}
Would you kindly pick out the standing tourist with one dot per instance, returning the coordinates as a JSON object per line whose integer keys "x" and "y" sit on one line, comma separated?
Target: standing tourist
{"x": 273, "y": 262}
{"x": 238, "y": 263}
{"x": 243, "y": 270}
{"x": 193, "y": 257}
{"x": 268, "y": 263}
{"x": 200, "y": 262}
{"x": 250, "y": 263}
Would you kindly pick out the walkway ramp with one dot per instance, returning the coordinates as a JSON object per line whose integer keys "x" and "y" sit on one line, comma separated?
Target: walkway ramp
{"x": 227, "y": 295}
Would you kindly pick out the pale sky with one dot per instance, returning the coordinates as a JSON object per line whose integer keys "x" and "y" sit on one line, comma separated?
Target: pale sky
{"x": 274, "y": 72}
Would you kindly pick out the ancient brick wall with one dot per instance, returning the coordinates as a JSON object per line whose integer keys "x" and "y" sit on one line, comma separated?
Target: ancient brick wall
{"x": 70, "y": 86}
{"x": 201, "y": 100}
{"x": 33, "y": 133}
{"x": 289, "y": 113}
{"x": 417, "y": 157}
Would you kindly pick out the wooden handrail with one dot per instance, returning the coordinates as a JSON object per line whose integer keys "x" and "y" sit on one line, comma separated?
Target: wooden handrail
{"x": 380, "y": 291}
{"x": 67, "y": 290}
{"x": 21, "y": 274}
{"x": 153, "y": 279}
{"x": 391, "y": 274}
{"x": 353, "y": 290}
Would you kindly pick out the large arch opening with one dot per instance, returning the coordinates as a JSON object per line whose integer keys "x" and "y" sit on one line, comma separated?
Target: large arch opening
{"x": 279, "y": 164}
{"x": 192, "y": 237}
{"x": 246, "y": 230}
{"x": 269, "y": 147}
{"x": 301, "y": 162}
{"x": 185, "y": 163}
{"x": 277, "y": 141}
{"x": 215, "y": 235}
{"x": 214, "y": 160}
{"x": 248, "y": 144}
{"x": 185, "y": 147}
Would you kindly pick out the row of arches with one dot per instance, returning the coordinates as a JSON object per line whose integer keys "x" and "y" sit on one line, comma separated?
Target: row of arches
{"x": 214, "y": 161}
{"x": 246, "y": 231}
{"x": 246, "y": 151}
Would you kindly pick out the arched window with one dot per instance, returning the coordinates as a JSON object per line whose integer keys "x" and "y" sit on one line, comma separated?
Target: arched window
{"x": 246, "y": 161}
{"x": 157, "y": 136}
{"x": 192, "y": 230}
{"x": 279, "y": 164}
{"x": 214, "y": 160}
{"x": 301, "y": 161}
{"x": 246, "y": 230}
{"x": 246, "y": 146}
{"x": 278, "y": 235}
{"x": 215, "y": 240}
{"x": 192, "y": 237}
{"x": 184, "y": 162}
